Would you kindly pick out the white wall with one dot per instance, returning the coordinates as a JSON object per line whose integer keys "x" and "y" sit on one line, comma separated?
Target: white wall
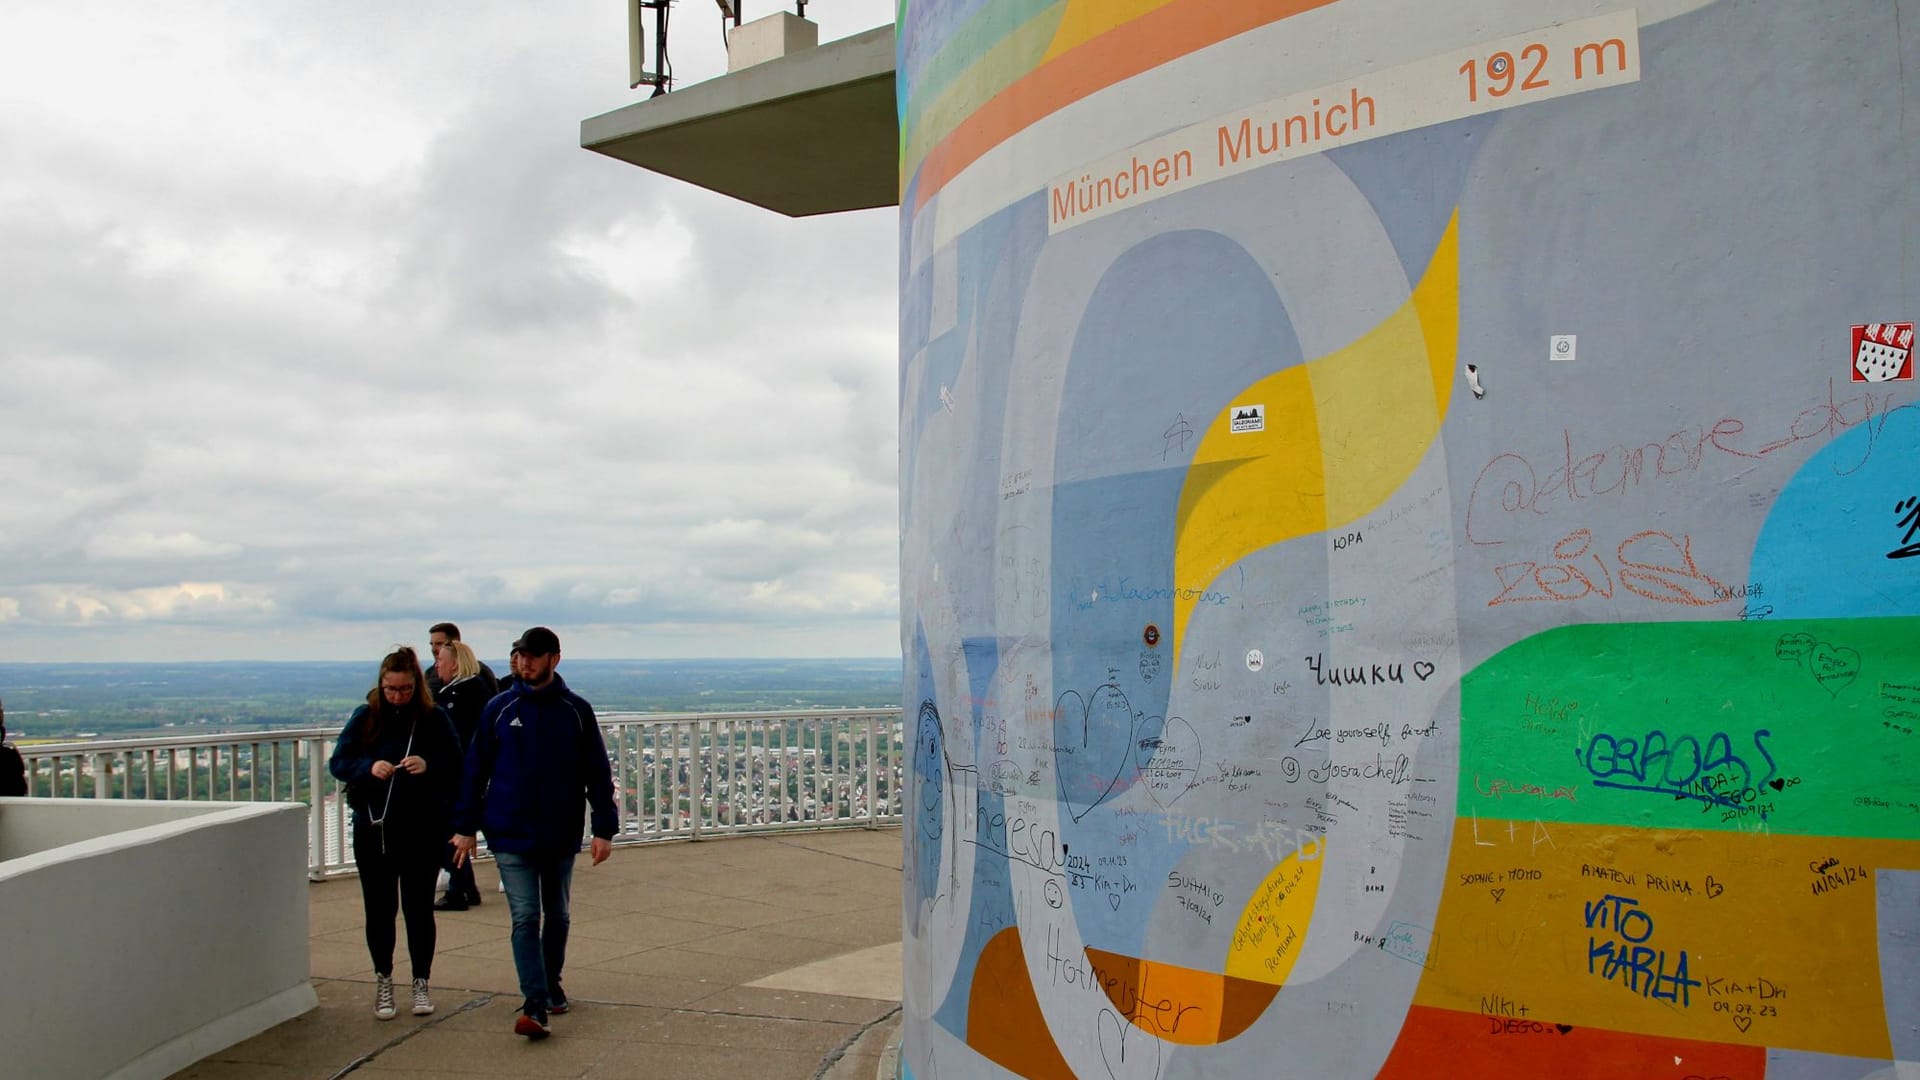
{"x": 157, "y": 934}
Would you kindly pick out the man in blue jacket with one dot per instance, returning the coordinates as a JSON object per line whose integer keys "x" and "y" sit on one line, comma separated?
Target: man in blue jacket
{"x": 537, "y": 762}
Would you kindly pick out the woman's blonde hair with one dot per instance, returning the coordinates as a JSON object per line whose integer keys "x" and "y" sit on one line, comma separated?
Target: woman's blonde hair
{"x": 465, "y": 664}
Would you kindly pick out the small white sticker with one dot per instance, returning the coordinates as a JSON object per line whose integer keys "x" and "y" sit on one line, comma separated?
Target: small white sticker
{"x": 1255, "y": 661}
{"x": 1249, "y": 418}
{"x": 1561, "y": 347}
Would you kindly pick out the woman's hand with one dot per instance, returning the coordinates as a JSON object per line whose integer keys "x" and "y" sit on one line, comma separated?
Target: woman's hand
{"x": 414, "y": 764}
{"x": 382, "y": 769}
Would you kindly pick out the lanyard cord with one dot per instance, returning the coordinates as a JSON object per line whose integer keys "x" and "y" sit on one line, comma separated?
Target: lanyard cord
{"x": 387, "y": 805}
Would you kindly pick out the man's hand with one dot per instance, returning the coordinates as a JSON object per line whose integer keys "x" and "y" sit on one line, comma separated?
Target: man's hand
{"x": 382, "y": 769}
{"x": 463, "y": 848}
{"x": 414, "y": 764}
{"x": 601, "y": 849}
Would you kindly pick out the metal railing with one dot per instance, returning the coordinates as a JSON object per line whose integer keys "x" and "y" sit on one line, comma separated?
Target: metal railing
{"x": 676, "y": 776}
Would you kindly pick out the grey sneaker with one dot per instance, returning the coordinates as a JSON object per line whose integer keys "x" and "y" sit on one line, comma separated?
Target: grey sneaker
{"x": 422, "y": 1004}
{"x": 383, "y": 996}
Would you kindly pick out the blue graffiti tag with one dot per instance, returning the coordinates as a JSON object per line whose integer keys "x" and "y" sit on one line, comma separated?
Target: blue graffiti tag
{"x": 1679, "y": 766}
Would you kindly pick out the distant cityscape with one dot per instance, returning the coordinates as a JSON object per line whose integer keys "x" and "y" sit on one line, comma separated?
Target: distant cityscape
{"x": 74, "y": 701}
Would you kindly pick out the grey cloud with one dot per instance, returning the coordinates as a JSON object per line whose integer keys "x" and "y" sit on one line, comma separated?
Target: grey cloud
{"x": 271, "y": 403}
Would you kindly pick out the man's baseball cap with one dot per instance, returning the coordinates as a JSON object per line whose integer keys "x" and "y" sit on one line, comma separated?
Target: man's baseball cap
{"x": 538, "y": 641}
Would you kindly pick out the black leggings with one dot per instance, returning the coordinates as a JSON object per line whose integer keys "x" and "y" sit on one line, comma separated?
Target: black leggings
{"x": 408, "y": 868}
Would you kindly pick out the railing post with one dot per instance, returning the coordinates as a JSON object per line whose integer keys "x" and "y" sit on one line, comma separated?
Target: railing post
{"x": 101, "y": 790}
{"x": 316, "y": 824}
{"x": 696, "y": 774}
{"x": 873, "y": 775}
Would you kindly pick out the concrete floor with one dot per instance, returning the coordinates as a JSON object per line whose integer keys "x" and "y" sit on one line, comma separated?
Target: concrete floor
{"x": 767, "y": 956}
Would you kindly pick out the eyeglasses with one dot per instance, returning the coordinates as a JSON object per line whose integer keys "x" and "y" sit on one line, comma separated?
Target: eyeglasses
{"x": 400, "y": 691}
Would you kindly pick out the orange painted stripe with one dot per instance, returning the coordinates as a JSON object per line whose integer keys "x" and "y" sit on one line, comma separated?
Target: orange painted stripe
{"x": 1473, "y": 1045}
{"x": 1162, "y": 35}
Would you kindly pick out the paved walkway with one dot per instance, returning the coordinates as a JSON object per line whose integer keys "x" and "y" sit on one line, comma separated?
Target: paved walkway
{"x": 773, "y": 957}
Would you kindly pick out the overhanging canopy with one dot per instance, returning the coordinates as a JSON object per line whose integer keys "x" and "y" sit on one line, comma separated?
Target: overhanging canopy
{"x": 814, "y": 132}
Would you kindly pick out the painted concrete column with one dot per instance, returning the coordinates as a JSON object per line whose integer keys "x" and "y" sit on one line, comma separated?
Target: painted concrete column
{"x": 1406, "y": 513}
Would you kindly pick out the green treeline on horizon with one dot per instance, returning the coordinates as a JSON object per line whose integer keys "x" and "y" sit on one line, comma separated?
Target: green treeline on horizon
{"x": 56, "y": 701}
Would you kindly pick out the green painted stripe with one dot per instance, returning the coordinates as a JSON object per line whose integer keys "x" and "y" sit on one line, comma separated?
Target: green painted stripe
{"x": 1807, "y": 727}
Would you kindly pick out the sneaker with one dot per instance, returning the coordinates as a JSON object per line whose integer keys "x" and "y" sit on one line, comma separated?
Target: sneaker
{"x": 533, "y": 1025}
{"x": 422, "y": 1004}
{"x": 383, "y": 1006}
{"x": 449, "y": 903}
{"x": 558, "y": 1005}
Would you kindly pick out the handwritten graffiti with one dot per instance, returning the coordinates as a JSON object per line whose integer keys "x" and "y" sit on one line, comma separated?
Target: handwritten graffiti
{"x": 1364, "y": 674}
{"x": 1066, "y": 968}
{"x": 1274, "y": 839}
{"x": 1652, "y": 564}
{"x": 1908, "y": 510}
{"x": 1500, "y": 789}
{"x": 1830, "y": 874}
{"x": 1511, "y": 484}
{"x": 1623, "y": 955}
{"x": 1176, "y": 437}
{"x": 1766, "y": 995}
{"x": 1833, "y": 667}
{"x": 1676, "y": 766}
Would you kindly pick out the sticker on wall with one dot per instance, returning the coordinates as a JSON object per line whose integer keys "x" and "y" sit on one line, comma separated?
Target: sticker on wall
{"x": 1151, "y": 635}
{"x": 1883, "y": 352}
{"x": 1255, "y": 660}
{"x": 1561, "y": 348}
{"x": 1248, "y": 418}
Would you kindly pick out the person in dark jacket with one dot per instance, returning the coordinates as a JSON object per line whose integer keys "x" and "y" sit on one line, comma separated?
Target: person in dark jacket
{"x": 439, "y": 636}
{"x": 537, "y": 762}
{"x": 400, "y": 761}
{"x": 465, "y": 688}
{"x": 13, "y": 769}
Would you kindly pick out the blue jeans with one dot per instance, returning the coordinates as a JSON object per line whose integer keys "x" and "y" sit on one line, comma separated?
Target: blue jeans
{"x": 534, "y": 882}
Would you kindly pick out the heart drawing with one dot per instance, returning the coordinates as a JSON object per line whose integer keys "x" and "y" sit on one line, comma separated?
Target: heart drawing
{"x": 1128, "y": 1052}
{"x": 1422, "y": 670}
{"x": 1834, "y": 668}
{"x": 1092, "y": 743}
{"x": 1174, "y": 766}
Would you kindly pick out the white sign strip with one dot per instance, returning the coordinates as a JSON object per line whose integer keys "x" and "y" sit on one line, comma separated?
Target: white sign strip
{"x": 1568, "y": 58}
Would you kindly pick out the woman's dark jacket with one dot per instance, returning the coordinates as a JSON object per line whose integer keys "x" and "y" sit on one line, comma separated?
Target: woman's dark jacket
{"x": 464, "y": 699}
{"x": 422, "y": 806}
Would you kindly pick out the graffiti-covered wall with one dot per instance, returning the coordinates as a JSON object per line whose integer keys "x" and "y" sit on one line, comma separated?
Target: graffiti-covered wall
{"x": 1405, "y": 516}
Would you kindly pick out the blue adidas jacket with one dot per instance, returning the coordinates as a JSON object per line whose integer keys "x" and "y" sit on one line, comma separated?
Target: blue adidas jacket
{"x": 536, "y": 763}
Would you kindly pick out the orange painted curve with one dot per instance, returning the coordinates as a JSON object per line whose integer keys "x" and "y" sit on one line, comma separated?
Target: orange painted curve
{"x": 1476, "y": 1045}
{"x": 1180, "y": 1004}
{"x": 1004, "y": 1022}
{"x": 1164, "y": 34}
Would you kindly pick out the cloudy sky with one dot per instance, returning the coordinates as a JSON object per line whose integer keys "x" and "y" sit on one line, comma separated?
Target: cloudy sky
{"x": 317, "y": 325}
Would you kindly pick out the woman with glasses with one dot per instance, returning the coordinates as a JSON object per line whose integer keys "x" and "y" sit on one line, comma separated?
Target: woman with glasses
{"x": 399, "y": 760}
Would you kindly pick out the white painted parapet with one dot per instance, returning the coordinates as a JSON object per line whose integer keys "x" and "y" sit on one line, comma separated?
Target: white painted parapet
{"x": 141, "y": 937}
